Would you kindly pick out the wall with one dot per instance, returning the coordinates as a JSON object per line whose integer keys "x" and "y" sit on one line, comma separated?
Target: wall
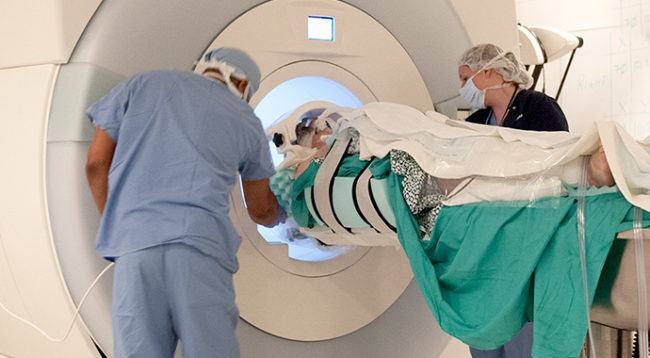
{"x": 41, "y": 32}
{"x": 608, "y": 79}
{"x": 499, "y": 14}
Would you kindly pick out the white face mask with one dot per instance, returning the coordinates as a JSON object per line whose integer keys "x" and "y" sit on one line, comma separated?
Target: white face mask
{"x": 474, "y": 96}
{"x": 226, "y": 71}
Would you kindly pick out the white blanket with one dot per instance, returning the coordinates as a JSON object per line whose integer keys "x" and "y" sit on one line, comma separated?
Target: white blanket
{"x": 495, "y": 156}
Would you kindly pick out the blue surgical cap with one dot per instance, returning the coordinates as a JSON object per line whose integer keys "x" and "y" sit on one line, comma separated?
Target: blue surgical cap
{"x": 240, "y": 60}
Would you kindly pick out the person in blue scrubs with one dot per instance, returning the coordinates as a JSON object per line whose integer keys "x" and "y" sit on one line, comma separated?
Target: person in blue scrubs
{"x": 495, "y": 82}
{"x": 166, "y": 153}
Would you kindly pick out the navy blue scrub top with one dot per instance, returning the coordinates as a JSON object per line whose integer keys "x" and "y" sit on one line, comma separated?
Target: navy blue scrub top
{"x": 530, "y": 110}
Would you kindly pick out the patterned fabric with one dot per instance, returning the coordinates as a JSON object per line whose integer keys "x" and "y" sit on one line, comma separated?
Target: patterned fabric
{"x": 421, "y": 193}
{"x": 353, "y": 147}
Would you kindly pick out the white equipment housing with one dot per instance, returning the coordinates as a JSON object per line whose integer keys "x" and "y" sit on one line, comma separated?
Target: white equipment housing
{"x": 61, "y": 57}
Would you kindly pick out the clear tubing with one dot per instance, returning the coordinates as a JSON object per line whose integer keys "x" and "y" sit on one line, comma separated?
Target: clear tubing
{"x": 642, "y": 333}
{"x": 582, "y": 186}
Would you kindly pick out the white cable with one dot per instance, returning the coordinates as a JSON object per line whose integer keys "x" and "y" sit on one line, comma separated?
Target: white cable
{"x": 76, "y": 313}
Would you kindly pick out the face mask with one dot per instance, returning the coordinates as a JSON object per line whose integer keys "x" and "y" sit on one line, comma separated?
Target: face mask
{"x": 227, "y": 71}
{"x": 474, "y": 96}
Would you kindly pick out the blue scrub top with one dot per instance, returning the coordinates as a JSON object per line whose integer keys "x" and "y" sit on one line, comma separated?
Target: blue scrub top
{"x": 181, "y": 140}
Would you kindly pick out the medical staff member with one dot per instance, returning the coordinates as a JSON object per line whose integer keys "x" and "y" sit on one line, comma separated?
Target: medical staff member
{"x": 495, "y": 82}
{"x": 166, "y": 153}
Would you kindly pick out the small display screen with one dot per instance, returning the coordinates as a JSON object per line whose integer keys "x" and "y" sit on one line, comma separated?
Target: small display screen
{"x": 320, "y": 28}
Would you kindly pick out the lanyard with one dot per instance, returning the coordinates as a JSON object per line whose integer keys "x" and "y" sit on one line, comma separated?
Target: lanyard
{"x": 505, "y": 114}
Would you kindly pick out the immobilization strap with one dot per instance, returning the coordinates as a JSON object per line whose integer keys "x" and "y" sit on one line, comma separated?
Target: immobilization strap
{"x": 324, "y": 182}
{"x": 367, "y": 205}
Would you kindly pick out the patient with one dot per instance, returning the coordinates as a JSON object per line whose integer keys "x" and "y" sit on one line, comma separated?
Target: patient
{"x": 310, "y": 134}
{"x": 425, "y": 194}
{"x": 305, "y": 142}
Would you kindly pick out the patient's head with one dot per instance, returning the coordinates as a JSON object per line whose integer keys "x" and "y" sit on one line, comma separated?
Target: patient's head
{"x": 309, "y": 131}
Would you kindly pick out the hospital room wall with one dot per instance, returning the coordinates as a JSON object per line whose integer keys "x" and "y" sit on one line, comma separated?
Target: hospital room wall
{"x": 608, "y": 79}
{"x": 42, "y": 32}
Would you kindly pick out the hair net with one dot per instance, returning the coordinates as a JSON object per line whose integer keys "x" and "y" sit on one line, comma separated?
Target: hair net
{"x": 241, "y": 61}
{"x": 506, "y": 65}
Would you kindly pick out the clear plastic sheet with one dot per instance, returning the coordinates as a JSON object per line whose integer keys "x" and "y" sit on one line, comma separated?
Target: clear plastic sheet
{"x": 642, "y": 333}
{"x": 301, "y": 246}
{"x": 581, "y": 244}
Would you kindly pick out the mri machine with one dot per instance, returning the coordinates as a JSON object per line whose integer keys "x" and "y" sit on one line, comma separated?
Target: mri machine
{"x": 63, "y": 56}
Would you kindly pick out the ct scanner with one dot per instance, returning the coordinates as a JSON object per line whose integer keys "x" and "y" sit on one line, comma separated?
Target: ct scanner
{"x": 63, "y": 55}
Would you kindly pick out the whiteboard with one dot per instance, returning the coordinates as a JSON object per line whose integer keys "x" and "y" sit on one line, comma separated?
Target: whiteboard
{"x": 609, "y": 78}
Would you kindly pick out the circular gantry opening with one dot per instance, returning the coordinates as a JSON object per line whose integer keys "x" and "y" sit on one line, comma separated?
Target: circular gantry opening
{"x": 276, "y": 106}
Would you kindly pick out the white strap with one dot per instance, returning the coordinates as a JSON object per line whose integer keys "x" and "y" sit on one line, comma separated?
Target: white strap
{"x": 322, "y": 200}
{"x": 324, "y": 181}
{"x": 367, "y": 204}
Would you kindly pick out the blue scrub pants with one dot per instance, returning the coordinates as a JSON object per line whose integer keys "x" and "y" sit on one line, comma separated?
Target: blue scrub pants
{"x": 520, "y": 346}
{"x": 173, "y": 292}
